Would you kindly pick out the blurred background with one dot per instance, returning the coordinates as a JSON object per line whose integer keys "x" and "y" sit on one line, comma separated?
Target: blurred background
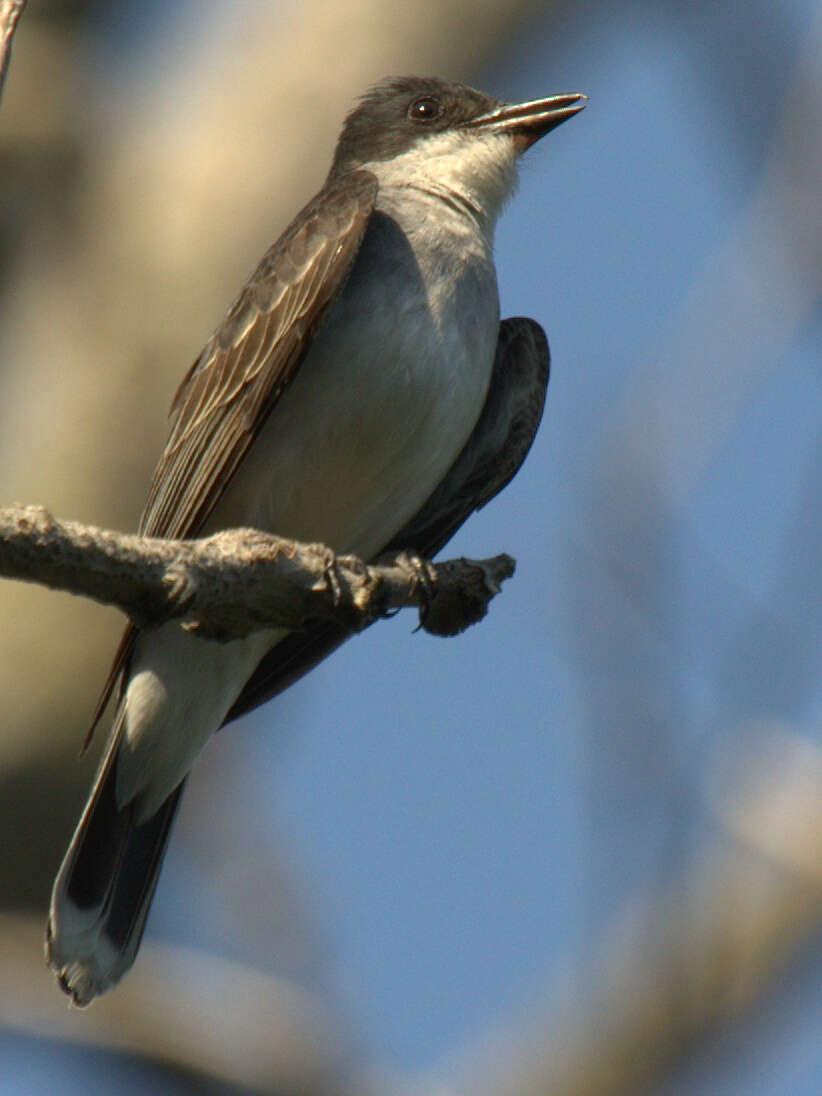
{"x": 576, "y": 850}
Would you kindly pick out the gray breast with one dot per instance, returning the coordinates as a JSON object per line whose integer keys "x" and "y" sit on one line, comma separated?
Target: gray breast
{"x": 386, "y": 397}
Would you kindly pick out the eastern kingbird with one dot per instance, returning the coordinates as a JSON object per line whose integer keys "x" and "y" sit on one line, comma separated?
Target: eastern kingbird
{"x": 361, "y": 391}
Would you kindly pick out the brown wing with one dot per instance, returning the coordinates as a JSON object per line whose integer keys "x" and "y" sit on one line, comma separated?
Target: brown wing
{"x": 251, "y": 358}
{"x": 490, "y": 458}
{"x": 248, "y": 362}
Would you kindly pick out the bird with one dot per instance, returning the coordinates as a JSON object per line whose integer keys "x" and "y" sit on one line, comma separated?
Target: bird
{"x": 362, "y": 392}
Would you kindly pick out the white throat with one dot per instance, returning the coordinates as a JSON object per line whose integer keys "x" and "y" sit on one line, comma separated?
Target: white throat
{"x": 475, "y": 173}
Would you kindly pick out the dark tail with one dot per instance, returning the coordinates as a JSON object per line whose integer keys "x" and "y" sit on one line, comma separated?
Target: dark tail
{"x": 104, "y": 888}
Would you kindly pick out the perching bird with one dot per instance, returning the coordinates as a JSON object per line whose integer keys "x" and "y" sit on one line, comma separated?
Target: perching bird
{"x": 362, "y": 392}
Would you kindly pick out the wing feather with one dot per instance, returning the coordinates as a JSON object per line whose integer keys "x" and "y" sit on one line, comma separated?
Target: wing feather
{"x": 251, "y": 358}
{"x": 249, "y": 361}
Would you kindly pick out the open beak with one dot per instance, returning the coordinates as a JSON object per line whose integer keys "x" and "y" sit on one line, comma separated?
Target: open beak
{"x": 527, "y": 122}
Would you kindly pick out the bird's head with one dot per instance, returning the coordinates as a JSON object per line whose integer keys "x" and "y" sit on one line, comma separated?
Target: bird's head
{"x": 415, "y": 130}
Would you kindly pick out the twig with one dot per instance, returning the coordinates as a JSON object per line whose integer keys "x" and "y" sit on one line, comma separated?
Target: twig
{"x": 241, "y": 580}
{"x": 10, "y": 12}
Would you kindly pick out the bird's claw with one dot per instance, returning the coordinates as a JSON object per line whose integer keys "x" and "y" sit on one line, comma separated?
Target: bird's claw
{"x": 424, "y": 582}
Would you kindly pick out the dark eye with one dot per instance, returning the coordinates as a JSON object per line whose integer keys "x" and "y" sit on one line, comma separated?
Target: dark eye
{"x": 425, "y": 109}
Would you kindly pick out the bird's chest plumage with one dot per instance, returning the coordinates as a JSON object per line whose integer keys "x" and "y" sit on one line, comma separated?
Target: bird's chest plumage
{"x": 389, "y": 391}
{"x": 382, "y": 404}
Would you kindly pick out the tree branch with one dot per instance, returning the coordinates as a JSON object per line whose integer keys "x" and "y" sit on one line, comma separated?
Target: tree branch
{"x": 10, "y": 12}
{"x": 241, "y": 580}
